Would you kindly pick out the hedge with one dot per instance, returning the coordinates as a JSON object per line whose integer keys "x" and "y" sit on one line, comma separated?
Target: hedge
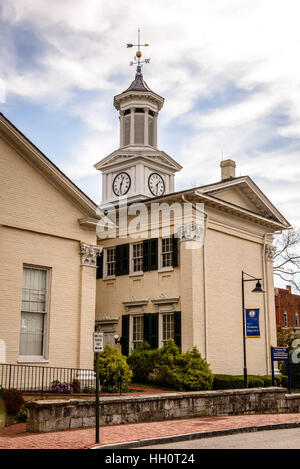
{"x": 254, "y": 381}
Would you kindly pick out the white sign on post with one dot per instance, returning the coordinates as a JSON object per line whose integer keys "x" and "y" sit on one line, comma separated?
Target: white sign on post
{"x": 98, "y": 342}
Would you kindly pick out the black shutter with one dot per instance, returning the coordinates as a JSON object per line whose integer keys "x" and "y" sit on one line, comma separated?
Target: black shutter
{"x": 146, "y": 250}
{"x": 122, "y": 259}
{"x": 125, "y": 335}
{"x": 175, "y": 251}
{"x": 151, "y": 329}
{"x": 153, "y": 254}
{"x": 99, "y": 271}
{"x": 177, "y": 328}
{"x": 150, "y": 254}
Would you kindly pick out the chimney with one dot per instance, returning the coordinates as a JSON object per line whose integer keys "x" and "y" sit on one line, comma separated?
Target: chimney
{"x": 289, "y": 288}
{"x": 227, "y": 169}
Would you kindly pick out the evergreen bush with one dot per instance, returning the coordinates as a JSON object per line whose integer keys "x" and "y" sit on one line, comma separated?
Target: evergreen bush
{"x": 180, "y": 371}
{"x": 141, "y": 362}
{"x": 114, "y": 372}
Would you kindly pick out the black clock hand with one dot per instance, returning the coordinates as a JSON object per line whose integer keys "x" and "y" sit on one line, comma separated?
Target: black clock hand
{"x": 121, "y": 183}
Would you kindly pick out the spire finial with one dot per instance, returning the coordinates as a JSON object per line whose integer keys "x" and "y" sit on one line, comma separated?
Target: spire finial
{"x": 137, "y": 58}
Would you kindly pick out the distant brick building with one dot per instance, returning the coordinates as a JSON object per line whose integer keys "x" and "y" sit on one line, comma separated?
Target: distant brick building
{"x": 287, "y": 307}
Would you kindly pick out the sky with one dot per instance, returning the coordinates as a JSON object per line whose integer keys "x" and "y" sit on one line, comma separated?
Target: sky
{"x": 229, "y": 71}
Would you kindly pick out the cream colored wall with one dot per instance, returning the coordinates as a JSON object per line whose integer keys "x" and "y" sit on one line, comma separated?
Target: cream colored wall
{"x": 228, "y": 256}
{"x": 233, "y": 245}
{"x": 29, "y": 201}
{"x": 235, "y": 197}
{"x": 30, "y": 210}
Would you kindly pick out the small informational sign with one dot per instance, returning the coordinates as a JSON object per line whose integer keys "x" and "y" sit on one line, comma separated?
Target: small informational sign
{"x": 98, "y": 342}
{"x": 252, "y": 323}
{"x": 281, "y": 354}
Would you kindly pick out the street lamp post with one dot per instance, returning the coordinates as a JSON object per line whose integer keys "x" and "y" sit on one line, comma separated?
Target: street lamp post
{"x": 257, "y": 289}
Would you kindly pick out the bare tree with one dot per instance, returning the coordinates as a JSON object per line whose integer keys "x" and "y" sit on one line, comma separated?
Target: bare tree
{"x": 286, "y": 259}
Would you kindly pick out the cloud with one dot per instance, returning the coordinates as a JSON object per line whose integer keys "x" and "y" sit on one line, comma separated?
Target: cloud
{"x": 228, "y": 71}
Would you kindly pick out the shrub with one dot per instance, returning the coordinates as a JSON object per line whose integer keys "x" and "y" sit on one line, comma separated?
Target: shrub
{"x": 278, "y": 380}
{"x": 295, "y": 370}
{"x": 267, "y": 379}
{"x": 89, "y": 390}
{"x": 76, "y": 385}
{"x": 13, "y": 400}
{"x": 181, "y": 371}
{"x": 285, "y": 381}
{"x": 63, "y": 388}
{"x": 141, "y": 361}
{"x": 228, "y": 382}
{"x": 22, "y": 414}
{"x": 255, "y": 381}
{"x": 114, "y": 372}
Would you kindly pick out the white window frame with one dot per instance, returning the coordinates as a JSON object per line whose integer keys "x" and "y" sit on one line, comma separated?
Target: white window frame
{"x": 44, "y": 357}
{"x": 162, "y": 268}
{"x": 105, "y": 263}
{"x": 285, "y": 319}
{"x": 297, "y": 319}
{"x": 131, "y": 270}
{"x": 131, "y": 319}
{"x": 161, "y": 325}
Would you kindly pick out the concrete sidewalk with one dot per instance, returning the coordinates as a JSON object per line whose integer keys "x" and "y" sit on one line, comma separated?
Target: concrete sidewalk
{"x": 143, "y": 434}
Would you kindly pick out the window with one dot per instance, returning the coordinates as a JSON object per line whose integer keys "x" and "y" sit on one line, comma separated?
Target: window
{"x": 297, "y": 319}
{"x": 110, "y": 262}
{"x": 137, "y": 330}
{"x": 167, "y": 327}
{"x": 137, "y": 257}
{"x": 34, "y": 312}
{"x": 167, "y": 252}
{"x": 285, "y": 319}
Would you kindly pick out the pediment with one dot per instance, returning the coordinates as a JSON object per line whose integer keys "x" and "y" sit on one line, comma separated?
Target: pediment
{"x": 132, "y": 155}
{"x": 245, "y": 194}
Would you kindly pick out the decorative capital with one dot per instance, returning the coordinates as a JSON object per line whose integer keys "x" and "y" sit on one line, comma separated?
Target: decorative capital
{"x": 269, "y": 252}
{"x": 191, "y": 231}
{"x": 89, "y": 253}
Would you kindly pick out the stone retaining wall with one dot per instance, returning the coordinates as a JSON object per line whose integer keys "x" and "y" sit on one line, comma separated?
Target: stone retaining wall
{"x": 51, "y": 415}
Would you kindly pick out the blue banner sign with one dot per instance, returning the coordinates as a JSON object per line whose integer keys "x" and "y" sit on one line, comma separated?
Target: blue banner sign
{"x": 252, "y": 323}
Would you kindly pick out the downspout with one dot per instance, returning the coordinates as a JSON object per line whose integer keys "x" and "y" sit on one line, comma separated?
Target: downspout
{"x": 204, "y": 275}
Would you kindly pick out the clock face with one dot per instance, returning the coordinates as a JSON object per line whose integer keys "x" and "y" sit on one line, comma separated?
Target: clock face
{"x": 121, "y": 184}
{"x": 156, "y": 184}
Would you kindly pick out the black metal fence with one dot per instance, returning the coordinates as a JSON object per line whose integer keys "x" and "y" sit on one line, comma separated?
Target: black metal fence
{"x": 28, "y": 378}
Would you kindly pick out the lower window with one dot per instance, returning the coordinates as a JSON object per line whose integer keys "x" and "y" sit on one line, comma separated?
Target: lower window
{"x": 167, "y": 327}
{"x": 34, "y": 312}
{"x": 137, "y": 330}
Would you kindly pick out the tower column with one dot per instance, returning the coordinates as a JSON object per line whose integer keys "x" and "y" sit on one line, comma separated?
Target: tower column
{"x": 132, "y": 113}
{"x": 121, "y": 128}
{"x": 146, "y": 126}
{"x": 155, "y": 130}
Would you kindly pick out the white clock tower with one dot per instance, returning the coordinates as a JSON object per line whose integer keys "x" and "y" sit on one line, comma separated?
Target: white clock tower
{"x": 138, "y": 169}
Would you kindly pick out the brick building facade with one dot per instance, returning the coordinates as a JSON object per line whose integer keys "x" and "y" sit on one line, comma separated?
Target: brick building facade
{"x": 287, "y": 307}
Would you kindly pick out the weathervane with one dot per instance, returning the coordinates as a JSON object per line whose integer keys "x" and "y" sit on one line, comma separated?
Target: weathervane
{"x": 137, "y": 58}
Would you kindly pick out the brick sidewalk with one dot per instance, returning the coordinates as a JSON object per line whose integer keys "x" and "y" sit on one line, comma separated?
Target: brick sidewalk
{"x": 16, "y": 437}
